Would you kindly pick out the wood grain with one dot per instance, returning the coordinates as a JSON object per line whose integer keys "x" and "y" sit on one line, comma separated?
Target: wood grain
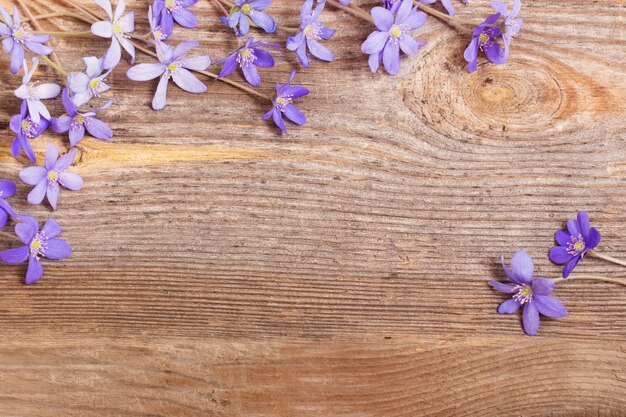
{"x": 221, "y": 268}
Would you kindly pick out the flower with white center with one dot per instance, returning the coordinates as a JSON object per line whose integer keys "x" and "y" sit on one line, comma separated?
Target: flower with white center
{"x": 117, "y": 28}
{"x": 33, "y": 92}
{"x": 86, "y": 85}
{"x": 172, "y": 65}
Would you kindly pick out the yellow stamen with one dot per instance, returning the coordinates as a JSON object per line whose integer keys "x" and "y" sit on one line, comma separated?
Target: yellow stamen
{"x": 245, "y": 9}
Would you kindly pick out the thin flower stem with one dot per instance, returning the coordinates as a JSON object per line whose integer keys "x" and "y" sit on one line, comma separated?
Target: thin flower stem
{"x": 45, "y": 16}
{"x": 9, "y": 235}
{"x": 57, "y": 67}
{"x": 86, "y": 33}
{"x": 93, "y": 17}
{"x": 593, "y": 278}
{"x": 361, "y": 14}
{"x": 607, "y": 258}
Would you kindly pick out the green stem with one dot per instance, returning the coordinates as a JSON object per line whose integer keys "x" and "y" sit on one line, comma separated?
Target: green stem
{"x": 86, "y": 33}
{"x": 607, "y": 258}
{"x": 592, "y": 278}
{"x": 58, "y": 68}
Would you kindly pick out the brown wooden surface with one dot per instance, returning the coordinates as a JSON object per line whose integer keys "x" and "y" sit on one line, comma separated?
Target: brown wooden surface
{"x": 221, "y": 269}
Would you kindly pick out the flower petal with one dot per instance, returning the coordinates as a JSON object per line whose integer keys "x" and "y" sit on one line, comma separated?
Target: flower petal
{"x": 198, "y": 63}
{"x": 530, "y": 319}
{"x": 103, "y": 29}
{"x": 383, "y": 18}
{"x": 71, "y": 181}
{"x": 374, "y": 43}
{"x": 7, "y": 188}
{"x": 502, "y": 287}
{"x": 542, "y": 286}
{"x": 263, "y": 20}
{"x": 583, "y": 224}
{"x": 106, "y": 6}
{"x": 391, "y": 56}
{"x": 33, "y": 175}
{"x": 570, "y": 265}
{"x": 98, "y": 129}
{"x": 408, "y": 44}
{"x": 145, "y": 72}
{"x": 52, "y": 154}
{"x": 251, "y": 74}
{"x": 593, "y": 238}
{"x": 77, "y": 134}
{"x": 572, "y": 227}
{"x": 57, "y": 249}
{"x": 160, "y": 95}
{"x": 320, "y": 51}
{"x": 51, "y": 228}
{"x": 185, "y": 18}
{"x": 522, "y": 266}
{"x": 550, "y": 306}
{"x": 509, "y": 306}
{"x": 187, "y": 81}
{"x": 38, "y": 193}
{"x": 559, "y": 255}
{"x": 26, "y": 229}
{"x": 292, "y": 113}
{"x": 15, "y": 256}
{"x": 52, "y": 193}
{"x": 35, "y": 270}
{"x": 113, "y": 55}
{"x": 65, "y": 161}
{"x": 562, "y": 237}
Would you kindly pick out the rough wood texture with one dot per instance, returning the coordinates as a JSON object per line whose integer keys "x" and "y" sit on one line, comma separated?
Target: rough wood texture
{"x": 223, "y": 269}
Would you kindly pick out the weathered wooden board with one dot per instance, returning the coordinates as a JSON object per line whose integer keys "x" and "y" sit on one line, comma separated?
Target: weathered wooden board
{"x": 223, "y": 269}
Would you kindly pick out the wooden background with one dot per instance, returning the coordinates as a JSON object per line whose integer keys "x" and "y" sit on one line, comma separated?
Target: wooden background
{"x": 221, "y": 269}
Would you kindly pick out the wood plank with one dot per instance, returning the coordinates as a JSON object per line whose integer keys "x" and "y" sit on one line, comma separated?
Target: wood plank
{"x": 427, "y": 377}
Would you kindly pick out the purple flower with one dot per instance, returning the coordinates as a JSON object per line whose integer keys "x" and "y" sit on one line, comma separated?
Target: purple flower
{"x": 168, "y": 11}
{"x": 18, "y": 35}
{"x": 392, "y": 36}
{"x": 116, "y": 28}
{"x": 250, "y": 12}
{"x": 158, "y": 33}
{"x": 7, "y": 189}
{"x": 312, "y": 32}
{"x": 574, "y": 243}
{"x": 484, "y": 38}
{"x": 26, "y": 129}
{"x": 249, "y": 57}
{"x": 533, "y": 294}
{"x": 86, "y": 85}
{"x": 285, "y": 94}
{"x": 37, "y": 244}
{"x": 77, "y": 122}
{"x": 172, "y": 66}
{"x": 32, "y": 93}
{"x": 512, "y": 23}
{"x": 47, "y": 178}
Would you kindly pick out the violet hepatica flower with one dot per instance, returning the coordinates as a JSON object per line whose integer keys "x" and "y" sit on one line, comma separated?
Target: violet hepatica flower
{"x": 168, "y": 11}
{"x": 532, "y": 293}
{"x": 158, "y": 33}
{"x": 86, "y": 85}
{"x": 77, "y": 122}
{"x": 249, "y": 57}
{"x": 250, "y": 12}
{"x": 392, "y": 36}
{"x": 47, "y": 178}
{"x": 19, "y": 36}
{"x": 574, "y": 243}
{"x": 285, "y": 94}
{"x": 512, "y": 23}
{"x": 32, "y": 93}
{"x": 37, "y": 244}
{"x": 484, "y": 38}
{"x": 26, "y": 129}
{"x": 312, "y": 32}
{"x": 172, "y": 66}
{"x": 116, "y": 28}
{"x": 7, "y": 189}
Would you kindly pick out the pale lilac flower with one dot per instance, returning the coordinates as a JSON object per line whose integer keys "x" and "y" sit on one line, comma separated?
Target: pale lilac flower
{"x": 26, "y": 129}
{"x": 33, "y": 92}
{"x": 77, "y": 122}
{"x": 172, "y": 66}
{"x": 7, "y": 189}
{"x": 532, "y": 293}
{"x": 47, "y": 178}
{"x": 117, "y": 28}
{"x": 250, "y": 12}
{"x": 312, "y": 32}
{"x": 484, "y": 38}
{"x": 158, "y": 33}
{"x": 19, "y": 36}
{"x": 285, "y": 94}
{"x": 392, "y": 36}
{"x": 86, "y": 85}
{"x": 249, "y": 57}
{"x": 512, "y": 23}
{"x": 168, "y": 11}
{"x": 37, "y": 244}
{"x": 579, "y": 239}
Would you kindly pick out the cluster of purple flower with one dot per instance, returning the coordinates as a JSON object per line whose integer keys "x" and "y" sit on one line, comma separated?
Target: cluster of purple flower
{"x": 34, "y": 118}
{"x": 533, "y": 294}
